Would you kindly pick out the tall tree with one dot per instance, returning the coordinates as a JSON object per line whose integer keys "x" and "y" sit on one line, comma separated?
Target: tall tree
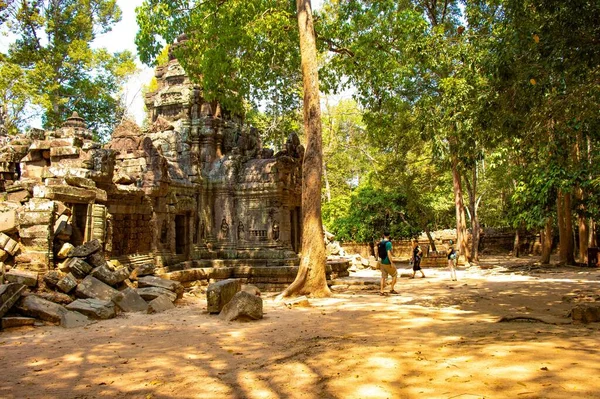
{"x": 251, "y": 50}
{"x": 53, "y": 49}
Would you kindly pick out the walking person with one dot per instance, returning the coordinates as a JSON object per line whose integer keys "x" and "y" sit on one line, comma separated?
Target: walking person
{"x": 417, "y": 255}
{"x": 452, "y": 256}
{"x": 386, "y": 265}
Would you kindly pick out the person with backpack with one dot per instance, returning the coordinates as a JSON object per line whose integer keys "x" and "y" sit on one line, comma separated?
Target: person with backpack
{"x": 417, "y": 254}
{"x": 386, "y": 265}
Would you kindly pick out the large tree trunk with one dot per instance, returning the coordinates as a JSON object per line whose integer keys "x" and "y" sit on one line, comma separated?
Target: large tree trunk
{"x": 547, "y": 239}
{"x": 565, "y": 228}
{"x": 431, "y": 241}
{"x": 311, "y": 279}
{"x": 461, "y": 223}
{"x": 516, "y": 244}
{"x": 474, "y": 216}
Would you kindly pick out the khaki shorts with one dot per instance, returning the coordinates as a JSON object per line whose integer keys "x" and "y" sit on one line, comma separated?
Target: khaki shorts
{"x": 387, "y": 270}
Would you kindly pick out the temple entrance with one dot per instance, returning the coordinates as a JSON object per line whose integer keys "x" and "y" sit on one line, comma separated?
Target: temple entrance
{"x": 181, "y": 235}
{"x": 79, "y": 219}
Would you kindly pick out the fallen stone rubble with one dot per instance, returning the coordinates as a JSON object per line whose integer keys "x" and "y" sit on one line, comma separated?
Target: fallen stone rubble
{"x": 83, "y": 288}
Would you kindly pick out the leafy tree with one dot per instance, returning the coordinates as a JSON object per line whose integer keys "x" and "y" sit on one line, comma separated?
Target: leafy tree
{"x": 53, "y": 51}
{"x": 248, "y": 50}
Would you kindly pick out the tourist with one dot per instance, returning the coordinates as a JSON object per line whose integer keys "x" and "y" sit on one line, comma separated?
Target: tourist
{"x": 452, "y": 257}
{"x": 386, "y": 265}
{"x": 417, "y": 255}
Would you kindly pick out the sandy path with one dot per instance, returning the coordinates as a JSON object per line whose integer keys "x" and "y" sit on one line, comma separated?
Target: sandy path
{"x": 438, "y": 339}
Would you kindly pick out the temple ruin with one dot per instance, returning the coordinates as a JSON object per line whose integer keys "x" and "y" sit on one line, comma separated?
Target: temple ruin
{"x": 194, "y": 194}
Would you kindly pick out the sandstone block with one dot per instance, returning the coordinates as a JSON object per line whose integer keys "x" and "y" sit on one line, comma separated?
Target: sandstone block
{"x": 14, "y": 321}
{"x": 85, "y": 250}
{"x": 40, "y": 205}
{"x": 80, "y": 181}
{"x": 9, "y": 295}
{"x": 18, "y": 196}
{"x": 34, "y": 306}
{"x": 97, "y": 259}
{"x": 243, "y": 306}
{"x": 22, "y": 277}
{"x": 67, "y": 283}
{"x": 35, "y": 218}
{"x": 129, "y": 300}
{"x": 65, "y": 250}
{"x": 104, "y": 274}
{"x": 588, "y": 313}
{"x": 56, "y": 297}
{"x": 220, "y": 293}
{"x": 142, "y": 270}
{"x": 8, "y": 221}
{"x": 78, "y": 267}
{"x": 152, "y": 281}
{"x": 151, "y": 293}
{"x": 251, "y": 289}
{"x": 61, "y": 224}
{"x": 91, "y": 287}
{"x": 53, "y": 277}
{"x": 8, "y": 244}
{"x": 160, "y": 304}
{"x": 93, "y": 308}
{"x": 72, "y": 319}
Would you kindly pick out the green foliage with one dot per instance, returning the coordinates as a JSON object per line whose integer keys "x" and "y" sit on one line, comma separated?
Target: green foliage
{"x": 53, "y": 51}
{"x": 242, "y": 50}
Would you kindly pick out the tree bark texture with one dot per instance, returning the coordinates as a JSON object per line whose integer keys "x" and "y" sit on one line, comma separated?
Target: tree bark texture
{"x": 565, "y": 228}
{"x": 516, "y": 244}
{"x": 311, "y": 278}
{"x": 461, "y": 220}
{"x": 547, "y": 239}
{"x": 473, "y": 210}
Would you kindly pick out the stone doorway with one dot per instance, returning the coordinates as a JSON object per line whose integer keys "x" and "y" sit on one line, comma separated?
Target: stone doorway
{"x": 79, "y": 219}
{"x": 182, "y": 233}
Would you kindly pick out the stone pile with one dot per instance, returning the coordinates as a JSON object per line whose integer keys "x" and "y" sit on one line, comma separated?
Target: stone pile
{"x": 232, "y": 301}
{"x": 84, "y": 286}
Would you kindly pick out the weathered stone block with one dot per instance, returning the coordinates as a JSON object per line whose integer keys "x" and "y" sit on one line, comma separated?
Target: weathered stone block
{"x": 243, "y": 306}
{"x": 64, "y": 152}
{"x": 18, "y": 196}
{"x": 78, "y": 267}
{"x": 40, "y": 205}
{"x": 34, "y": 306}
{"x": 142, "y": 270}
{"x": 151, "y": 293}
{"x": 220, "y": 293}
{"x": 8, "y": 244}
{"x": 35, "y": 232}
{"x": 152, "y": 281}
{"x": 588, "y": 313}
{"x": 67, "y": 283}
{"x": 65, "y": 250}
{"x": 106, "y": 275}
{"x": 9, "y": 295}
{"x": 15, "y": 321}
{"x": 22, "y": 277}
{"x": 86, "y": 249}
{"x": 35, "y": 218}
{"x": 53, "y": 277}
{"x": 91, "y": 287}
{"x": 56, "y": 297}
{"x": 72, "y": 319}
{"x": 61, "y": 224}
{"x": 97, "y": 259}
{"x": 160, "y": 304}
{"x": 129, "y": 300}
{"x": 93, "y": 308}
{"x": 8, "y": 221}
{"x": 80, "y": 181}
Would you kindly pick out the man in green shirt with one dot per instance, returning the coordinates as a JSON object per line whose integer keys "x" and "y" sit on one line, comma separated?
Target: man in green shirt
{"x": 384, "y": 250}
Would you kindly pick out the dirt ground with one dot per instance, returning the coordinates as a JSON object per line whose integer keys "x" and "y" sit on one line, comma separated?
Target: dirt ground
{"x": 437, "y": 339}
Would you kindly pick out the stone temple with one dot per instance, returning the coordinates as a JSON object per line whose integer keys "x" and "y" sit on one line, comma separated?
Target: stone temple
{"x": 195, "y": 194}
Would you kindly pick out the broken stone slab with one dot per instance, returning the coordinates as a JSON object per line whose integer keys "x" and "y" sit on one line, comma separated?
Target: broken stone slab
{"x": 67, "y": 283}
{"x": 93, "y": 308}
{"x": 22, "y": 277}
{"x": 97, "y": 259}
{"x": 218, "y": 294}
{"x": 143, "y": 270}
{"x": 9, "y": 295}
{"x": 8, "y": 221}
{"x": 8, "y": 244}
{"x": 129, "y": 300}
{"x": 91, "y": 287}
{"x": 243, "y": 306}
{"x": 86, "y": 249}
{"x": 78, "y": 267}
{"x": 160, "y": 304}
{"x": 65, "y": 250}
{"x": 16, "y": 321}
{"x": 61, "y": 224}
{"x": 151, "y": 293}
{"x": 587, "y": 313}
{"x": 53, "y": 277}
{"x": 106, "y": 275}
{"x": 34, "y": 306}
{"x": 56, "y": 297}
{"x": 152, "y": 281}
{"x": 72, "y": 319}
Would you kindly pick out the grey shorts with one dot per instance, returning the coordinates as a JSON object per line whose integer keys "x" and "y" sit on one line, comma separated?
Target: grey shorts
{"x": 387, "y": 270}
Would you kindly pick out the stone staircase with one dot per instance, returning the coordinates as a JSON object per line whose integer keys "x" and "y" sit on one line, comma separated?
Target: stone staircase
{"x": 133, "y": 261}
